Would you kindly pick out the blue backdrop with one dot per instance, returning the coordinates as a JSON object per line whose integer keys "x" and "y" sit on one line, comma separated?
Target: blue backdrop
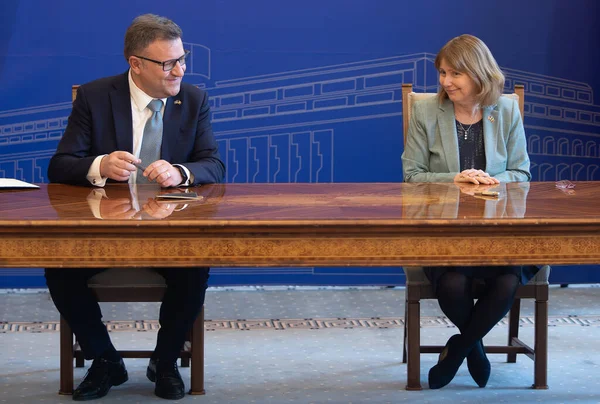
{"x": 308, "y": 91}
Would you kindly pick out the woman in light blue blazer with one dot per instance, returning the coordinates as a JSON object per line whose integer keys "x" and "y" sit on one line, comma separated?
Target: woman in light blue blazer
{"x": 468, "y": 134}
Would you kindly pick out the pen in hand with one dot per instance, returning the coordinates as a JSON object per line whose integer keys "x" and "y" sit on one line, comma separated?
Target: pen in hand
{"x": 139, "y": 166}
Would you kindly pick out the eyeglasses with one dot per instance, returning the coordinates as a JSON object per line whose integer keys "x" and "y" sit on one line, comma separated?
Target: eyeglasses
{"x": 168, "y": 65}
{"x": 564, "y": 184}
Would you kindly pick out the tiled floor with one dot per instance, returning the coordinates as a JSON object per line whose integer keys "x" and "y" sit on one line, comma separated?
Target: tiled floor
{"x": 307, "y": 345}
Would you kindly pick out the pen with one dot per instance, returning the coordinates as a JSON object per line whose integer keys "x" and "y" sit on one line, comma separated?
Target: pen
{"x": 139, "y": 166}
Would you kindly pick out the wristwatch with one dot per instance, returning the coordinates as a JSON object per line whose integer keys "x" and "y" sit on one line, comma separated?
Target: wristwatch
{"x": 184, "y": 176}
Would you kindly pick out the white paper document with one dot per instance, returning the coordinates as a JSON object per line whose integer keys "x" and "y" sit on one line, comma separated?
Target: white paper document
{"x": 11, "y": 183}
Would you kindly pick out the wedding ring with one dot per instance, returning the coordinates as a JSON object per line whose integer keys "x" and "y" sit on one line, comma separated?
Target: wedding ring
{"x": 168, "y": 174}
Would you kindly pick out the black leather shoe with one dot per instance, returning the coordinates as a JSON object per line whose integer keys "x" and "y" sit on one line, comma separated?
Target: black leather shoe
{"x": 479, "y": 365}
{"x": 168, "y": 382}
{"x": 100, "y": 377}
{"x": 452, "y": 356}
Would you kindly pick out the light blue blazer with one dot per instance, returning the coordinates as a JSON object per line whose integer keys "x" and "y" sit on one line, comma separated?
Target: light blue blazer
{"x": 431, "y": 150}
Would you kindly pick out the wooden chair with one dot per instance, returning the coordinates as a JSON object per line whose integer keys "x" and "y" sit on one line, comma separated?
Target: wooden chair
{"x": 418, "y": 287}
{"x": 131, "y": 285}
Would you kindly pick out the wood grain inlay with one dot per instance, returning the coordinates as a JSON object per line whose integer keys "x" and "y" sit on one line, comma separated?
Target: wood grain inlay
{"x": 301, "y": 225}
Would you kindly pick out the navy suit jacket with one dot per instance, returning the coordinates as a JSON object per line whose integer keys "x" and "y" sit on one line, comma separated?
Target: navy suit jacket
{"x": 101, "y": 123}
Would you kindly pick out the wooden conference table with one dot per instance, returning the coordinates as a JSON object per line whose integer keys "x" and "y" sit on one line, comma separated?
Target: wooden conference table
{"x": 342, "y": 224}
{"x": 374, "y": 224}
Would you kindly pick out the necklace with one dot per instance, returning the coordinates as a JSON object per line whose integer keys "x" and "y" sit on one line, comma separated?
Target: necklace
{"x": 466, "y": 131}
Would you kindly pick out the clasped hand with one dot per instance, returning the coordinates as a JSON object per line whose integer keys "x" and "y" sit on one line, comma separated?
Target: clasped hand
{"x": 119, "y": 165}
{"x": 474, "y": 176}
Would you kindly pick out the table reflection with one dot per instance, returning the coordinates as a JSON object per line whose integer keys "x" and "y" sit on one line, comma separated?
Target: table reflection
{"x": 463, "y": 201}
{"x": 132, "y": 202}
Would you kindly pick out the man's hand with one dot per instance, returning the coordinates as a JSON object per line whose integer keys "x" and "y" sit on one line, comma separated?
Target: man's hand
{"x": 165, "y": 174}
{"x": 118, "y": 165}
{"x": 474, "y": 176}
{"x": 119, "y": 208}
{"x": 158, "y": 210}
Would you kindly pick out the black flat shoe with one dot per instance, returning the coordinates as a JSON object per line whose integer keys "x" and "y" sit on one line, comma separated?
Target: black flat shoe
{"x": 451, "y": 358}
{"x": 168, "y": 382}
{"x": 479, "y": 364}
{"x": 98, "y": 380}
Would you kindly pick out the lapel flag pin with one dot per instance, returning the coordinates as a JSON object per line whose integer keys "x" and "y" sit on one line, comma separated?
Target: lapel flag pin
{"x": 490, "y": 118}
{"x": 177, "y": 102}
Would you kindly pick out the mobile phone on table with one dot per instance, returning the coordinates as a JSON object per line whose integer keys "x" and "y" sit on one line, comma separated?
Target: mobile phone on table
{"x": 177, "y": 196}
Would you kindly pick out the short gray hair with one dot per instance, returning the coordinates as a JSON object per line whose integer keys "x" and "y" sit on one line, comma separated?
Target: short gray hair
{"x": 146, "y": 29}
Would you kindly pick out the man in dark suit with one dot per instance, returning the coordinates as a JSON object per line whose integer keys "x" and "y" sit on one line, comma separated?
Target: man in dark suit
{"x": 149, "y": 118}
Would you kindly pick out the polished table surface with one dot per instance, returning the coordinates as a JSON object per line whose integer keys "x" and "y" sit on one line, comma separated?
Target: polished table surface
{"x": 341, "y": 224}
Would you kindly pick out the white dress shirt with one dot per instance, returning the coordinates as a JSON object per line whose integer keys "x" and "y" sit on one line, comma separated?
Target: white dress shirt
{"x": 139, "y": 116}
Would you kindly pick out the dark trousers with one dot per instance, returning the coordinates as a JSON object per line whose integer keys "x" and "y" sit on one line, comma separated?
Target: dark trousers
{"x": 77, "y": 303}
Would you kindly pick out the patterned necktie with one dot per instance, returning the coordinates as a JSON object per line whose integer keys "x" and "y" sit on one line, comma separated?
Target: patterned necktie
{"x": 151, "y": 139}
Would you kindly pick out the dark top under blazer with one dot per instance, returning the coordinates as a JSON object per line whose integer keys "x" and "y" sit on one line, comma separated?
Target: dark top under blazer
{"x": 431, "y": 152}
{"x": 101, "y": 123}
